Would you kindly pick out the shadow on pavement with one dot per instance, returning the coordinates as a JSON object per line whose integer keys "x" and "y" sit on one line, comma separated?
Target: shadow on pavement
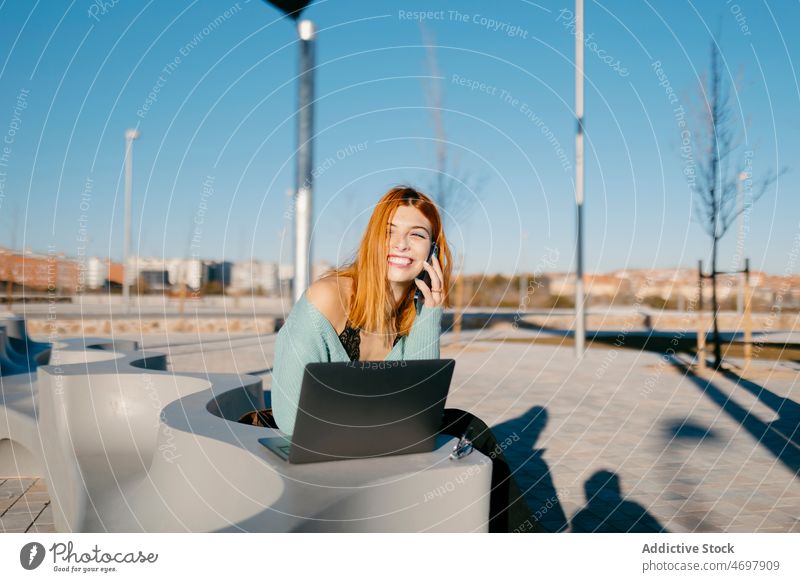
{"x": 687, "y": 444}
{"x": 518, "y": 437}
{"x": 607, "y": 511}
{"x": 780, "y": 437}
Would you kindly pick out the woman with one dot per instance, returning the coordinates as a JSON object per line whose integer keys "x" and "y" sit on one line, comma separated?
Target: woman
{"x": 366, "y": 311}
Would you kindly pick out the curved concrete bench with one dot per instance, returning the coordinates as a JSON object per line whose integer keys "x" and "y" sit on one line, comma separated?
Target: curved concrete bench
{"x": 20, "y": 446}
{"x": 125, "y": 445}
{"x": 19, "y": 356}
{"x": 13, "y": 327}
{"x": 217, "y": 477}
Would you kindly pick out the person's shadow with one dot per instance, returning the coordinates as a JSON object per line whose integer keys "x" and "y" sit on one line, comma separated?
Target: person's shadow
{"x": 606, "y": 510}
{"x": 518, "y": 438}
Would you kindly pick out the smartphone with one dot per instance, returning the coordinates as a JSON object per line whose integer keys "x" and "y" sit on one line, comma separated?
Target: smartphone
{"x": 425, "y": 277}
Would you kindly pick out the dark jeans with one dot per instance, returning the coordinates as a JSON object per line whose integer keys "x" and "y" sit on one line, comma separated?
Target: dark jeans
{"x": 508, "y": 511}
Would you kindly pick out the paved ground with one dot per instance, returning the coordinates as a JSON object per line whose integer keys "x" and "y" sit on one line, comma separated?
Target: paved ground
{"x": 24, "y": 506}
{"x": 629, "y": 441}
{"x": 620, "y": 441}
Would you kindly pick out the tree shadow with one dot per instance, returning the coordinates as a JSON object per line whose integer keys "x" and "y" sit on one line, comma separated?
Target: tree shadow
{"x": 684, "y": 437}
{"x": 518, "y": 438}
{"x": 788, "y": 422}
{"x": 780, "y": 437}
{"x": 688, "y": 430}
{"x": 608, "y": 512}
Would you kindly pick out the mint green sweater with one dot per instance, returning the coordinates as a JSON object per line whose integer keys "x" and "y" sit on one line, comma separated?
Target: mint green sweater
{"x": 308, "y": 336}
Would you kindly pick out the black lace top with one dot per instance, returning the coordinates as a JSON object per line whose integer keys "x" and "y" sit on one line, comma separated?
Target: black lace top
{"x": 351, "y": 341}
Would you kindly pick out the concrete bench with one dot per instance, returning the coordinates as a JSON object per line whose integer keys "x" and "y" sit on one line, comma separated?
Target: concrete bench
{"x": 125, "y": 445}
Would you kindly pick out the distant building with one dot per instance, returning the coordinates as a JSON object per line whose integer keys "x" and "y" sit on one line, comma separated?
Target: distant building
{"x": 605, "y": 285}
{"x": 114, "y": 276}
{"x": 218, "y": 272}
{"x": 52, "y": 272}
{"x": 286, "y": 275}
{"x": 255, "y": 277}
{"x": 188, "y": 272}
{"x": 154, "y": 280}
{"x": 138, "y": 265}
{"x": 560, "y": 284}
{"x": 96, "y": 273}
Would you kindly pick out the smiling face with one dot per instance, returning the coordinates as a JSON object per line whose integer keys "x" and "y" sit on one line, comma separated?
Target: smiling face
{"x": 409, "y": 244}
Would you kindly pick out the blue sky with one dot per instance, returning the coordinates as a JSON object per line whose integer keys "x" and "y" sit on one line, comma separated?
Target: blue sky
{"x": 75, "y": 75}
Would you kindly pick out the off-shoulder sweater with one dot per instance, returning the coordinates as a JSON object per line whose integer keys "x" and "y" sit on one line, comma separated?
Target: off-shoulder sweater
{"x": 308, "y": 336}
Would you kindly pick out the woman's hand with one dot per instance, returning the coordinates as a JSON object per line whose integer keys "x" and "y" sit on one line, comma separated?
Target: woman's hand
{"x": 434, "y": 295}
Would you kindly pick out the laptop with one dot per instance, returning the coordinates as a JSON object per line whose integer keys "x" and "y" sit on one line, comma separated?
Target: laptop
{"x": 354, "y": 410}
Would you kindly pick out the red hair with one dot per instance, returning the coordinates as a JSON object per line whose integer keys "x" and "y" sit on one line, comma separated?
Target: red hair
{"x": 371, "y": 299}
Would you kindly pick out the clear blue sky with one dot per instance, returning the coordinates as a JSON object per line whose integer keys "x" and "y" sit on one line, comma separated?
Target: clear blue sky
{"x": 74, "y": 76}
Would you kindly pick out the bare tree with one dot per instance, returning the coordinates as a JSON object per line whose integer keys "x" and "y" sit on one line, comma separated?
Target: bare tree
{"x": 717, "y": 142}
{"x": 454, "y": 189}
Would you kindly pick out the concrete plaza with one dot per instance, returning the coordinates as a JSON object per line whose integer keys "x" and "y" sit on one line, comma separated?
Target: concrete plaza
{"x": 621, "y": 440}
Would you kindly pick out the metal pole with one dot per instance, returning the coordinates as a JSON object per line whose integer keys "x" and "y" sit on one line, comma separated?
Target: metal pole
{"x": 701, "y": 325}
{"x": 580, "y": 315}
{"x": 523, "y": 277}
{"x": 740, "y": 242}
{"x": 303, "y": 205}
{"x": 458, "y": 313}
{"x": 748, "y": 319}
{"x": 130, "y": 135}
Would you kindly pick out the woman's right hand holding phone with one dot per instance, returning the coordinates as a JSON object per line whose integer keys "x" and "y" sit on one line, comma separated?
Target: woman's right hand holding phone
{"x": 433, "y": 293}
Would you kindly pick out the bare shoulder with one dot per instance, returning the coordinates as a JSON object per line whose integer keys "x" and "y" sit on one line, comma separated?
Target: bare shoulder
{"x": 330, "y": 296}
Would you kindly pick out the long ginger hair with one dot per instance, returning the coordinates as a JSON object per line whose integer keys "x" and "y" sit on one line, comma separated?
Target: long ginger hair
{"x": 372, "y": 301}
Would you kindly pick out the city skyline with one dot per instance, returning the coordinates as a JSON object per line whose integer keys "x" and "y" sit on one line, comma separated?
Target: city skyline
{"x": 211, "y": 88}
{"x": 284, "y": 271}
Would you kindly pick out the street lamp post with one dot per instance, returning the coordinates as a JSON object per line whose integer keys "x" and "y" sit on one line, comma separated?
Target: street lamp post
{"x": 305, "y": 138}
{"x": 130, "y": 135}
{"x": 580, "y": 315}
{"x": 740, "y": 241}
